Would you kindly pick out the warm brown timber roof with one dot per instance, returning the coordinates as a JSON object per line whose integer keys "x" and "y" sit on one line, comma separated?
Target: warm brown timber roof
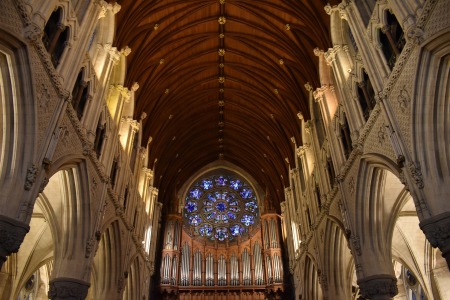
{"x": 222, "y": 80}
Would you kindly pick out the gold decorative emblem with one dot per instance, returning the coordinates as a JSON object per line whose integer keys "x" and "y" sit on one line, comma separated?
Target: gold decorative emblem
{"x": 221, "y": 65}
{"x": 156, "y": 27}
{"x": 221, "y": 35}
{"x": 287, "y": 27}
{"x": 281, "y": 61}
{"x": 221, "y": 79}
{"x": 221, "y": 52}
{"x": 222, "y": 20}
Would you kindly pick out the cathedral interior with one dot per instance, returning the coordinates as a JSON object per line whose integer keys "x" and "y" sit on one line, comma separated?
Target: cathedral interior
{"x": 224, "y": 149}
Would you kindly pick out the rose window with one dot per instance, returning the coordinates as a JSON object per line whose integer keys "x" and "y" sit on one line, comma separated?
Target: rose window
{"x": 220, "y": 208}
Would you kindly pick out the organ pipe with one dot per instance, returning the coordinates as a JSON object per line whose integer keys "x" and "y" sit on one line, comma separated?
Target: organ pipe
{"x": 273, "y": 234}
{"x": 246, "y": 268}
{"x": 259, "y": 279}
{"x": 221, "y": 272}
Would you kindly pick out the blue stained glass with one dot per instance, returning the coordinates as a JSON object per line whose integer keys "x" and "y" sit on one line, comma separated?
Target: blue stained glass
{"x": 235, "y": 184}
{"x": 211, "y": 215}
{"x": 207, "y": 184}
{"x": 227, "y": 207}
{"x": 236, "y": 230}
{"x": 247, "y": 220}
{"x": 208, "y": 208}
{"x": 225, "y": 218}
{"x": 222, "y": 181}
{"x": 191, "y": 206}
{"x": 251, "y": 206}
{"x": 221, "y": 234}
{"x": 231, "y": 215}
{"x": 196, "y": 193}
{"x": 221, "y": 206}
{"x": 246, "y": 193}
{"x": 206, "y": 230}
{"x": 195, "y": 220}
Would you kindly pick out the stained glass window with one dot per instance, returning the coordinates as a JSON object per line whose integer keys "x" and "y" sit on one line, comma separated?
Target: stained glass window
{"x": 220, "y": 208}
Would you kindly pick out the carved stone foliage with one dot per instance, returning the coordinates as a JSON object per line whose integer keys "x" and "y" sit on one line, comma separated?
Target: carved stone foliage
{"x": 378, "y": 287}
{"x": 31, "y": 177}
{"x": 12, "y": 233}
{"x": 68, "y": 288}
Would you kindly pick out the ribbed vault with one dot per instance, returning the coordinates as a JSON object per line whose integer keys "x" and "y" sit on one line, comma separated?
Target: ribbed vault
{"x": 222, "y": 80}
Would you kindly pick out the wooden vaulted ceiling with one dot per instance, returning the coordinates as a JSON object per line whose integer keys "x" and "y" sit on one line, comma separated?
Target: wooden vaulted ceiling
{"x": 222, "y": 80}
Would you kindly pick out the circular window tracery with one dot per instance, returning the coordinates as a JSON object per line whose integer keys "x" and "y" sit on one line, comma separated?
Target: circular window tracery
{"x": 220, "y": 208}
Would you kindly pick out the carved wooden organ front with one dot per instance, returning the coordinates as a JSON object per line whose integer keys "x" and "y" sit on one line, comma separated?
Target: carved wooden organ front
{"x": 220, "y": 245}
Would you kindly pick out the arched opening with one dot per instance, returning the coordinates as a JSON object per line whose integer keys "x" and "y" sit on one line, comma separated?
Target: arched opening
{"x": 55, "y": 36}
{"x": 392, "y": 39}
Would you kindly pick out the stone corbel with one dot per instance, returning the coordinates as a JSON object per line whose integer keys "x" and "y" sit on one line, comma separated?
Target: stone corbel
{"x": 68, "y": 288}
{"x": 437, "y": 231}
{"x": 12, "y": 233}
{"x": 381, "y": 286}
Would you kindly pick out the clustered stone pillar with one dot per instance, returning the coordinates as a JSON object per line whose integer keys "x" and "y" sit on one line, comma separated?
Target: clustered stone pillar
{"x": 12, "y": 233}
{"x": 68, "y": 289}
{"x": 378, "y": 287}
{"x": 437, "y": 231}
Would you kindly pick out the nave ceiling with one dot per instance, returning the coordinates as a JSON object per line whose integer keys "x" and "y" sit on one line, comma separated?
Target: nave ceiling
{"x": 222, "y": 79}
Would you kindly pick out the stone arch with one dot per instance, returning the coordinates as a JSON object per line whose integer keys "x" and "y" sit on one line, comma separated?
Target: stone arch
{"x": 338, "y": 265}
{"x": 377, "y": 205}
{"x": 108, "y": 260}
{"x": 135, "y": 273}
{"x": 18, "y": 125}
{"x": 311, "y": 278}
{"x": 74, "y": 219}
{"x": 59, "y": 230}
{"x": 372, "y": 210}
{"x": 430, "y": 123}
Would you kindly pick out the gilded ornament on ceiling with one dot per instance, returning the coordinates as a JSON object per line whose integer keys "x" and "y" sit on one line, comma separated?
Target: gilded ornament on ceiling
{"x": 221, "y": 52}
{"x": 222, "y": 20}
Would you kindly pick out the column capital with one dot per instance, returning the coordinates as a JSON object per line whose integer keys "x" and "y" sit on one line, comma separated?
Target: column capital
{"x": 437, "y": 231}
{"x": 12, "y": 233}
{"x": 68, "y": 289}
{"x": 379, "y": 287}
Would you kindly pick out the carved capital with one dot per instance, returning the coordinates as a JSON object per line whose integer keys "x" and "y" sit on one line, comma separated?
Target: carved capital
{"x": 378, "y": 286}
{"x": 12, "y": 233}
{"x": 437, "y": 231}
{"x": 68, "y": 289}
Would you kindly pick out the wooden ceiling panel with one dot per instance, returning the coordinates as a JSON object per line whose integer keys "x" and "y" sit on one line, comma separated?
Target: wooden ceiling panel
{"x": 222, "y": 80}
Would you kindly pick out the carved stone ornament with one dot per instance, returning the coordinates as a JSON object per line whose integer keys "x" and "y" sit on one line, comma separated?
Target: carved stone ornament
{"x": 378, "y": 287}
{"x": 403, "y": 100}
{"x": 31, "y": 177}
{"x": 12, "y": 233}
{"x": 437, "y": 231}
{"x": 416, "y": 174}
{"x": 68, "y": 288}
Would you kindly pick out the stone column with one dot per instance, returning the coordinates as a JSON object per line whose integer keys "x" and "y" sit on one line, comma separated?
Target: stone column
{"x": 378, "y": 287}
{"x": 12, "y": 233}
{"x": 68, "y": 289}
{"x": 437, "y": 231}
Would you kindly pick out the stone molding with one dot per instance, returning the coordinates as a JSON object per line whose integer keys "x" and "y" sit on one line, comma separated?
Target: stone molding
{"x": 378, "y": 286}
{"x": 437, "y": 231}
{"x": 12, "y": 233}
{"x": 68, "y": 289}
